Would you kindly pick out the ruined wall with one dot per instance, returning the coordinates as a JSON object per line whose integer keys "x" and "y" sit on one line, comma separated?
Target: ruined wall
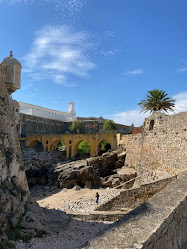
{"x": 132, "y": 198}
{"x": 13, "y": 183}
{"x": 163, "y": 147}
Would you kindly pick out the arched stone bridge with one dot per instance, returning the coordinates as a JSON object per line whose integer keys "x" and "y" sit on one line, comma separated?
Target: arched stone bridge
{"x": 72, "y": 142}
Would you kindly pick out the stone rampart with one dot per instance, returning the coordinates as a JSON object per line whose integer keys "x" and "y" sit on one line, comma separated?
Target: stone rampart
{"x": 36, "y": 125}
{"x": 13, "y": 182}
{"x": 162, "y": 146}
{"x": 132, "y": 198}
{"x": 159, "y": 223}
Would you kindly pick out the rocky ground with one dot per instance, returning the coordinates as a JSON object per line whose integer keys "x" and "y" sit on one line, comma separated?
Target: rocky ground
{"x": 50, "y": 168}
{"x": 63, "y": 231}
{"x": 67, "y": 200}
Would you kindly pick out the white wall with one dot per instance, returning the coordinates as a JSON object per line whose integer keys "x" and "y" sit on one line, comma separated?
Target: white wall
{"x": 46, "y": 113}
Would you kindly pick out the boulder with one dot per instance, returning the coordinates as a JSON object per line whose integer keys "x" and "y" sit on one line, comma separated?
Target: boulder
{"x": 122, "y": 156}
{"x": 126, "y": 174}
{"x": 76, "y": 187}
{"x": 119, "y": 164}
{"x": 112, "y": 181}
{"x": 115, "y": 182}
{"x": 77, "y": 173}
{"x": 104, "y": 163}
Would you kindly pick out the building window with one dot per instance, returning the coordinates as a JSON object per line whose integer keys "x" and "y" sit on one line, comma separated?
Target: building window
{"x": 151, "y": 125}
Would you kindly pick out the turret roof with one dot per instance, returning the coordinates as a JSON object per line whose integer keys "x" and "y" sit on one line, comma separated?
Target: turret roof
{"x": 11, "y": 60}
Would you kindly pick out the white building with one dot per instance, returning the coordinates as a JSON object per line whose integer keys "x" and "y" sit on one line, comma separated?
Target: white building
{"x": 42, "y": 112}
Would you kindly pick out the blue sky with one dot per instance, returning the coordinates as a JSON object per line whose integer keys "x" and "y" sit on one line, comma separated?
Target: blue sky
{"x": 103, "y": 55}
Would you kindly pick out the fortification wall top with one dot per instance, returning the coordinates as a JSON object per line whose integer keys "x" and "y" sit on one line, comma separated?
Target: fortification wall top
{"x": 159, "y": 223}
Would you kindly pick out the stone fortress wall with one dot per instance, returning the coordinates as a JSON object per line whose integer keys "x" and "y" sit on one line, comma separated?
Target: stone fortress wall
{"x": 162, "y": 144}
{"x": 37, "y": 125}
{"x": 13, "y": 182}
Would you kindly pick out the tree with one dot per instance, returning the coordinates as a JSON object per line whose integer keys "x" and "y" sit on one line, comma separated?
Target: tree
{"x": 109, "y": 126}
{"x": 76, "y": 127}
{"x": 157, "y": 100}
{"x": 131, "y": 128}
{"x": 84, "y": 148}
{"x": 105, "y": 146}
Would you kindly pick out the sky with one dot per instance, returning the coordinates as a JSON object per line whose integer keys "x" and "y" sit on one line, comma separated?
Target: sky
{"x": 102, "y": 55}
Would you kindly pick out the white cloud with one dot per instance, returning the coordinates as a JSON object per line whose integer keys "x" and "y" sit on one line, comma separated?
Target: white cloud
{"x": 128, "y": 117}
{"x": 72, "y": 6}
{"x": 181, "y": 102}
{"x": 182, "y": 69}
{"x": 134, "y": 116}
{"x": 58, "y": 52}
{"x": 110, "y": 52}
{"x": 15, "y": 2}
{"x": 134, "y": 72}
{"x": 109, "y": 33}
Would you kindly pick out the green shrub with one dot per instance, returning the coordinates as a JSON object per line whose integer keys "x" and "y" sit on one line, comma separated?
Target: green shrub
{"x": 109, "y": 126}
{"x": 3, "y": 245}
{"x": 76, "y": 127}
{"x": 15, "y": 234}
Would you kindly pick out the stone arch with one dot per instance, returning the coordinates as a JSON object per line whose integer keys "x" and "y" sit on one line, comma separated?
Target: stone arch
{"x": 37, "y": 144}
{"x": 101, "y": 145}
{"x": 76, "y": 149}
{"x": 55, "y": 144}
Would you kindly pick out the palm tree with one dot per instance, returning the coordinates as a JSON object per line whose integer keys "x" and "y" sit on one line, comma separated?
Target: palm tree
{"x": 156, "y": 100}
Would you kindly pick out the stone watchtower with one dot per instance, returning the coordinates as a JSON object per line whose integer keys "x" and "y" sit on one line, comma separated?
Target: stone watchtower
{"x": 71, "y": 108}
{"x": 12, "y": 69}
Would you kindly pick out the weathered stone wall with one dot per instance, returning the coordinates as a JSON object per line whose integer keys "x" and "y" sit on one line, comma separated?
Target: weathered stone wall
{"x": 13, "y": 183}
{"x": 37, "y": 125}
{"x": 132, "y": 198}
{"x": 159, "y": 223}
{"x": 163, "y": 147}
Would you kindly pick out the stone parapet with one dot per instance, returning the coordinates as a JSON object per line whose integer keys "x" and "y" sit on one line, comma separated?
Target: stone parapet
{"x": 159, "y": 223}
{"x": 131, "y": 198}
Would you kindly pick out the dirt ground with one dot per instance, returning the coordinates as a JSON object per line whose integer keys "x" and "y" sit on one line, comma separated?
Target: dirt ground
{"x": 67, "y": 233}
{"x": 82, "y": 200}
